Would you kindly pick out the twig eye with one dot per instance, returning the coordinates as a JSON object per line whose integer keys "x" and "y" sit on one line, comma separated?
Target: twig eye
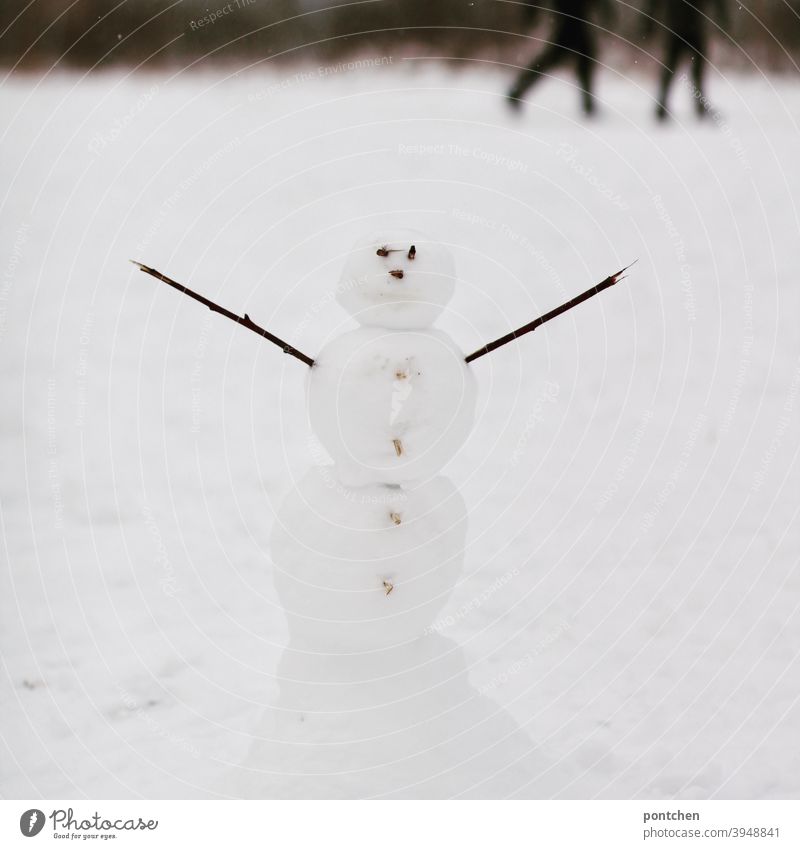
{"x": 398, "y": 273}
{"x": 412, "y": 252}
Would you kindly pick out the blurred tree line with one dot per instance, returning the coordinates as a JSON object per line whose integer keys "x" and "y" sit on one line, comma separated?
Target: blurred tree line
{"x": 98, "y": 33}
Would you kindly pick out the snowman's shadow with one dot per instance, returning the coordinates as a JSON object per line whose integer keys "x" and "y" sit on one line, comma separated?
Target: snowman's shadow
{"x": 398, "y": 723}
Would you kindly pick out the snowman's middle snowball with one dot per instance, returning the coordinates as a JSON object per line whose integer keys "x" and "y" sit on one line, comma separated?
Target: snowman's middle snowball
{"x": 391, "y": 406}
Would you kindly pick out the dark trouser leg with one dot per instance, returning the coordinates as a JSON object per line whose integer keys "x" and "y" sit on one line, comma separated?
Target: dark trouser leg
{"x": 698, "y": 79}
{"x": 553, "y": 55}
{"x": 674, "y": 51}
{"x": 586, "y": 65}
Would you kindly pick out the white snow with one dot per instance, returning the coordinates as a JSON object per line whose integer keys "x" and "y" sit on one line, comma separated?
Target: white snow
{"x": 404, "y": 723}
{"x": 391, "y": 406}
{"x": 629, "y": 600}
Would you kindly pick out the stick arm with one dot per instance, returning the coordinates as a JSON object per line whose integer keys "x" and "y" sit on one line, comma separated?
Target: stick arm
{"x": 529, "y": 328}
{"x": 244, "y": 320}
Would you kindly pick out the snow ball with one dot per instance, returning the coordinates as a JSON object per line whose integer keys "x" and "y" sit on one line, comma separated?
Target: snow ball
{"x": 399, "y": 279}
{"x": 390, "y": 406}
{"x": 366, "y": 568}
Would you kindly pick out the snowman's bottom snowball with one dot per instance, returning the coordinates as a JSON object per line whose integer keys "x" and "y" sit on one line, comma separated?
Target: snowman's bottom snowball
{"x": 361, "y": 569}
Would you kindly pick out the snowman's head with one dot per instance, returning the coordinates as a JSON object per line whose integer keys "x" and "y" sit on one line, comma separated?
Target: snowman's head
{"x": 398, "y": 279}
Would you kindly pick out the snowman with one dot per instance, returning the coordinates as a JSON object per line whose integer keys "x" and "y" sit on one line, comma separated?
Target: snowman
{"x": 367, "y": 549}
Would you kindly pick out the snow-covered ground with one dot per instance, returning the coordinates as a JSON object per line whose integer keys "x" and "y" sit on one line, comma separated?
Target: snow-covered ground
{"x": 631, "y": 590}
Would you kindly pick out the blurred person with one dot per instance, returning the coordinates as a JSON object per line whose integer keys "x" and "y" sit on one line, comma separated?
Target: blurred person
{"x": 573, "y": 41}
{"x": 685, "y": 24}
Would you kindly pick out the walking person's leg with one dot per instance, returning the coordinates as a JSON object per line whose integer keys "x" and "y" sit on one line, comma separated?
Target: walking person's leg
{"x": 550, "y": 57}
{"x": 586, "y": 65}
{"x": 698, "y": 79}
{"x": 675, "y": 49}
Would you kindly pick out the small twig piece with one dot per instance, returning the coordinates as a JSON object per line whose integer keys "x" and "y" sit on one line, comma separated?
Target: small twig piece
{"x": 388, "y": 587}
{"x": 528, "y": 328}
{"x": 384, "y": 251}
{"x": 396, "y": 518}
{"x": 245, "y": 320}
{"x": 398, "y": 446}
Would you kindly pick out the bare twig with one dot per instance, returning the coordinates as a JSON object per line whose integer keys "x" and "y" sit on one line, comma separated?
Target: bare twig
{"x": 245, "y": 320}
{"x": 528, "y": 328}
